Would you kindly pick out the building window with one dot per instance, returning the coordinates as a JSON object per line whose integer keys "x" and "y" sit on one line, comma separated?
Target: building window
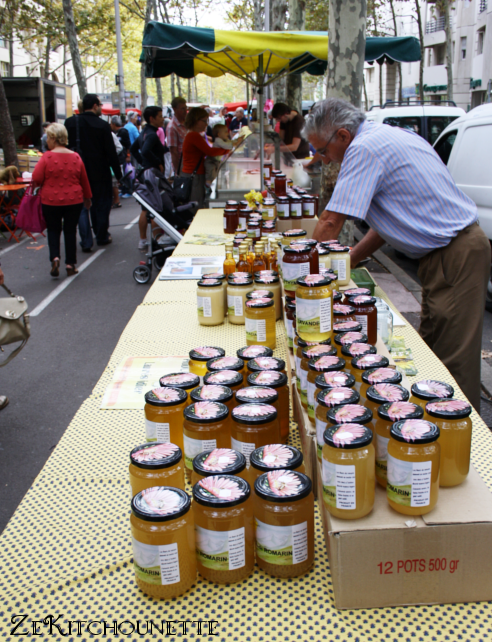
{"x": 463, "y": 48}
{"x": 481, "y": 38}
{"x": 4, "y": 68}
{"x": 3, "y": 43}
{"x": 429, "y": 58}
{"x": 440, "y": 54}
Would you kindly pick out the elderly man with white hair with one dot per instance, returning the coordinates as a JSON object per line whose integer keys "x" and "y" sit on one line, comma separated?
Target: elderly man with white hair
{"x": 393, "y": 180}
{"x": 238, "y": 121}
{"x": 131, "y": 126}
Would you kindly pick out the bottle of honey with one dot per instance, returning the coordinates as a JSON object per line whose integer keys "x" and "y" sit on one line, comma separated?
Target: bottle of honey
{"x": 259, "y": 261}
{"x": 243, "y": 264}
{"x": 229, "y": 263}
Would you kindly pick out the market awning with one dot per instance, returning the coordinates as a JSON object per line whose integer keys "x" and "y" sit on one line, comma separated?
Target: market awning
{"x": 188, "y": 51}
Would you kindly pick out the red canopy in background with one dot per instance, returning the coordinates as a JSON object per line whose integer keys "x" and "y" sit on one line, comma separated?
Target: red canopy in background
{"x": 234, "y": 106}
{"x": 137, "y": 111}
{"x": 108, "y": 110}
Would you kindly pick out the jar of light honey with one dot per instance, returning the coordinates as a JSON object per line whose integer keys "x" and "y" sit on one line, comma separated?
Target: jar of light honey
{"x": 266, "y": 363}
{"x": 348, "y": 471}
{"x": 156, "y": 465}
{"x": 183, "y": 380}
{"x": 347, "y": 338}
{"x": 340, "y": 263}
{"x": 326, "y": 399}
{"x": 229, "y": 378}
{"x": 225, "y": 363}
{"x": 210, "y": 302}
{"x": 199, "y": 357}
{"x": 283, "y": 506}
{"x": 334, "y": 379}
{"x": 347, "y": 413}
{"x": 317, "y": 365}
{"x": 273, "y": 284}
{"x": 387, "y": 414}
{"x": 314, "y": 308}
{"x": 324, "y": 258}
{"x": 359, "y": 365}
{"x": 279, "y": 382}
{"x": 224, "y": 528}
{"x": 251, "y": 352}
{"x": 428, "y": 390}
{"x": 378, "y": 375}
{"x": 163, "y": 537}
{"x": 206, "y": 426}
{"x": 237, "y": 289}
{"x": 356, "y": 349}
{"x": 164, "y": 415}
{"x": 452, "y": 417}
{"x": 223, "y": 394}
{"x": 258, "y": 394}
{"x": 381, "y": 393}
{"x": 299, "y": 346}
{"x": 413, "y": 466}
{"x": 219, "y": 461}
{"x": 260, "y": 322}
{"x": 275, "y": 457}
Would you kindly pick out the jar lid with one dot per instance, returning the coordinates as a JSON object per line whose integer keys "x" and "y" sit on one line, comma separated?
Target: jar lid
{"x": 339, "y": 248}
{"x": 295, "y": 197}
{"x": 266, "y": 458}
{"x": 205, "y": 353}
{"x": 254, "y": 413}
{"x": 357, "y": 349}
{"x": 350, "y": 337}
{"x": 246, "y": 203}
{"x": 370, "y": 361}
{"x": 206, "y": 412}
{"x": 346, "y": 326}
{"x": 296, "y": 249}
{"x": 165, "y": 396}
{"x": 381, "y": 375}
{"x": 355, "y": 291}
{"x": 326, "y": 363}
{"x": 294, "y": 233}
{"x": 270, "y": 378}
{"x": 221, "y": 491}
{"x": 219, "y": 461}
{"x": 251, "y": 352}
{"x": 282, "y": 486}
{"x": 303, "y": 344}
{"x": 281, "y": 175}
{"x": 448, "y": 409}
{"x": 348, "y": 413}
{"x": 230, "y": 210}
{"x": 348, "y": 436}
{"x": 160, "y": 504}
{"x": 231, "y": 202}
{"x": 415, "y": 431}
{"x": 305, "y": 242}
{"x": 400, "y": 410}
{"x": 308, "y": 197}
{"x": 155, "y": 455}
{"x": 267, "y": 278}
{"x": 211, "y": 393}
{"x": 362, "y": 299}
{"x": 331, "y": 397}
{"x": 266, "y": 363}
{"x": 341, "y": 310}
{"x": 429, "y": 389}
{"x": 209, "y": 283}
{"x": 228, "y": 378}
{"x": 225, "y": 363}
{"x": 334, "y": 380}
{"x": 260, "y": 303}
{"x": 256, "y": 394}
{"x": 337, "y": 296}
{"x": 323, "y": 251}
{"x": 247, "y": 280}
{"x": 259, "y": 294}
{"x": 253, "y": 224}
{"x": 310, "y": 352}
{"x": 291, "y": 305}
{"x": 387, "y": 392}
{"x": 283, "y": 199}
{"x": 214, "y": 275}
{"x": 313, "y": 280}
{"x": 184, "y": 380}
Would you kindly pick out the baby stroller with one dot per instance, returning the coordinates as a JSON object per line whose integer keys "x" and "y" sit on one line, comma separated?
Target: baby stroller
{"x": 156, "y": 196}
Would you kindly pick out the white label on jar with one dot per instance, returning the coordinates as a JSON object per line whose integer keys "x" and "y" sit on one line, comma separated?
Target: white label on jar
{"x": 339, "y": 485}
{"x": 242, "y": 221}
{"x": 155, "y": 431}
{"x": 282, "y": 208}
{"x": 298, "y": 367}
{"x": 290, "y": 330}
{"x": 156, "y": 564}
{"x": 221, "y": 550}
{"x": 311, "y": 387}
{"x": 193, "y": 447}
{"x": 270, "y": 212}
{"x": 313, "y": 315}
{"x": 409, "y": 482}
{"x": 382, "y": 456}
{"x": 243, "y": 447}
{"x": 204, "y": 304}
{"x": 308, "y": 210}
{"x": 339, "y": 266}
{"x": 362, "y": 319}
{"x": 255, "y": 329}
{"x": 321, "y": 426}
{"x": 422, "y": 386}
{"x": 295, "y": 210}
{"x": 225, "y": 222}
{"x": 292, "y": 271}
{"x": 304, "y": 375}
{"x": 281, "y": 545}
{"x": 325, "y": 261}
{"x": 235, "y": 305}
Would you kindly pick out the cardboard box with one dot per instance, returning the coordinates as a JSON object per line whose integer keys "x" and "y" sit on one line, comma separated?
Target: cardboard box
{"x": 307, "y": 433}
{"x": 307, "y": 224}
{"x": 389, "y": 559}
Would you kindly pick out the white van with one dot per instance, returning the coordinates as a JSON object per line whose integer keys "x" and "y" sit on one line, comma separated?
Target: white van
{"x": 465, "y": 147}
{"x": 426, "y": 120}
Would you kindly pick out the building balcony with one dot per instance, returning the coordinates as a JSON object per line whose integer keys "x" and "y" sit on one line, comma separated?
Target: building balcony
{"x": 482, "y": 7}
{"x": 438, "y": 24}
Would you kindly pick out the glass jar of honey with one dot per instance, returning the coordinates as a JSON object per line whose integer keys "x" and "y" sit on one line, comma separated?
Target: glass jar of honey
{"x": 210, "y": 302}
{"x": 283, "y": 506}
{"x": 206, "y": 426}
{"x": 229, "y": 378}
{"x": 156, "y": 465}
{"x": 413, "y": 466}
{"x": 313, "y": 255}
{"x": 366, "y": 314}
{"x": 356, "y": 292}
{"x": 347, "y": 338}
{"x": 219, "y": 461}
{"x": 324, "y": 258}
{"x": 326, "y": 399}
{"x": 279, "y": 382}
{"x": 237, "y": 289}
{"x": 213, "y": 393}
{"x": 225, "y": 363}
{"x": 355, "y": 349}
{"x": 387, "y": 414}
{"x": 290, "y": 308}
{"x": 299, "y": 346}
{"x": 251, "y": 352}
{"x": 348, "y": 471}
{"x": 268, "y": 209}
{"x": 220, "y": 276}
{"x": 309, "y": 206}
{"x": 359, "y": 365}
{"x": 428, "y": 390}
{"x": 342, "y": 312}
{"x": 183, "y": 380}
{"x": 275, "y": 457}
{"x": 381, "y": 393}
{"x": 199, "y": 357}
{"x": 224, "y": 528}
{"x": 266, "y": 363}
{"x": 258, "y": 394}
{"x": 164, "y": 415}
{"x": 317, "y": 365}
{"x": 272, "y": 283}
{"x": 378, "y": 375}
{"x": 314, "y": 308}
{"x": 280, "y": 185}
{"x": 163, "y": 538}
{"x": 295, "y": 206}
{"x": 231, "y": 220}
{"x": 304, "y": 370}
{"x": 341, "y": 327}
{"x": 283, "y": 207}
{"x": 452, "y": 417}
{"x": 260, "y": 322}
{"x": 295, "y": 263}
{"x": 340, "y": 263}
{"x": 254, "y": 230}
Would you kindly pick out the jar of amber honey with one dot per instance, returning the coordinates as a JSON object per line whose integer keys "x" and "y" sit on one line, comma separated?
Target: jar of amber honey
{"x": 275, "y": 457}
{"x": 164, "y": 415}
{"x": 186, "y": 381}
{"x": 206, "y": 426}
{"x": 428, "y": 390}
{"x": 223, "y": 394}
{"x": 279, "y": 382}
{"x": 156, "y": 465}
{"x": 326, "y": 399}
{"x": 219, "y": 461}
{"x": 199, "y": 357}
{"x": 378, "y": 375}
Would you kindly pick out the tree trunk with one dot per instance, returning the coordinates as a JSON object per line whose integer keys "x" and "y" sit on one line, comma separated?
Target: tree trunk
{"x": 74, "y": 47}
{"x": 278, "y": 17}
{"x": 143, "y": 79}
{"x": 395, "y": 28}
{"x": 178, "y": 83}
{"x": 258, "y": 21}
{"x": 449, "y": 50}
{"x": 7, "y": 138}
{"x": 366, "y": 100}
{"x": 158, "y": 87}
{"x": 422, "y": 53}
{"x": 11, "y": 55}
{"x": 47, "y": 58}
{"x": 297, "y": 22}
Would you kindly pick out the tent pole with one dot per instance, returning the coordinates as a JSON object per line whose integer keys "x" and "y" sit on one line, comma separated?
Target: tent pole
{"x": 261, "y": 81}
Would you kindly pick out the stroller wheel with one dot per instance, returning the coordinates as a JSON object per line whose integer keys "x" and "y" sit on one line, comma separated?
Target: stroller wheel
{"x": 141, "y": 274}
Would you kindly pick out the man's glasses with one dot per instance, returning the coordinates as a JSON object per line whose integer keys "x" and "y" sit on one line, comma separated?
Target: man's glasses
{"x": 322, "y": 152}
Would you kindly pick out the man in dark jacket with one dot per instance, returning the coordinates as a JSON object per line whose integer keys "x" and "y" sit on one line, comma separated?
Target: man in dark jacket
{"x": 91, "y": 137}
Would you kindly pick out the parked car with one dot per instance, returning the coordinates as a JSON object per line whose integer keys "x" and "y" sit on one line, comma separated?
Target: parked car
{"x": 465, "y": 146}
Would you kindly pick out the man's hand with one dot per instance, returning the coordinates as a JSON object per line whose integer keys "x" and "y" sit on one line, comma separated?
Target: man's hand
{"x": 87, "y": 203}
{"x": 2, "y": 277}
{"x": 369, "y": 244}
{"x": 329, "y": 226}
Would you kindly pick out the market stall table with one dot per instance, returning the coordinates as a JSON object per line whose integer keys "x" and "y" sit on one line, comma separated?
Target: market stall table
{"x": 67, "y": 549}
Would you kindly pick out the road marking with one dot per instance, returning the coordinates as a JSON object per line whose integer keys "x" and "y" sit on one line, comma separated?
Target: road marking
{"x": 132, "y": 223}
{"x": 12, "y": 247}
{"x": 39, "y": 247}
{"x": 59, "y": 289}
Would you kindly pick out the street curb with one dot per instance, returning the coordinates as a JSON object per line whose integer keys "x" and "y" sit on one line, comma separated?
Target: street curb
{"x": 486, "y": 377}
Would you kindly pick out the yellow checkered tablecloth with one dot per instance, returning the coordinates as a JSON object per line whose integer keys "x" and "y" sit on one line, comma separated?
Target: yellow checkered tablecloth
{"x": 67, "y": 551}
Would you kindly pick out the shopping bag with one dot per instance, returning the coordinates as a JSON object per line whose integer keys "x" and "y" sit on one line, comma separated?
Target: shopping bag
{"x": 30, "y": 215}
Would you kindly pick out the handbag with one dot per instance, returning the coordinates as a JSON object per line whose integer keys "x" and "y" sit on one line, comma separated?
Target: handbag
{"x": 14, "y": 323}
{"x": 182, "y": 185}
{"x": 30, "y": 215}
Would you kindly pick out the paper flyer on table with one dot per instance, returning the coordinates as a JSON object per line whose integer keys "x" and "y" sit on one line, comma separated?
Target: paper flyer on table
{"x": 190, "y": 267}
{"x": 137, "y": 375}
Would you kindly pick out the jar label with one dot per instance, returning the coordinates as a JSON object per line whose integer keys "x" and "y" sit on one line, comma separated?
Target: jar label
{"x": 156, "y": 564}
{"x": 295, "y": 210}
{"x": 339, "y": 266}
{"x": 225, "y": 223}
{"x": 339, "y": 485}
{"x": 325, "y": 262}
{"x": 293, "y": 271}
{"x": 281, "y": 545}
{"x": 409, "y": 482}
{"x": 308, "y": 210}
{"x": 235, "y": 305}
{"x": 242, "y": 221}
{"x": 283, "y": 210}
{"x": 221, "y": 550}
{"x": 311, "y": 388}
{"x": 298, "y": 370}
{"x": 321, "y": 426}
{"x": 243, "y": 447}
{"x": 304, "y": 375}
{"x": 314, "y": 316}
{"x": 193, "y": 447}
{"x": 204, "y": 304}
{"x": 255, "y": 330}
{"x": 155, "y": 431}
{"x": 382, "y": 456}
{"x": 362, "y": 319}
{"x": 290, "y": 333}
